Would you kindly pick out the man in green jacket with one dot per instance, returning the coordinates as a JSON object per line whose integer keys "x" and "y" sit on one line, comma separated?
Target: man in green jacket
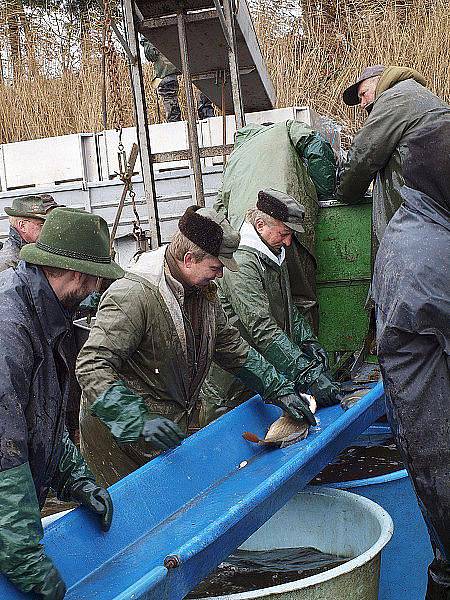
{"x": 399, "y": 107}
{"x": 293, "y": 158}
{"x": 257, "y": 299}
{"x": 37, "y": 362}
{"x": 155, "y": 336}
{"x": 166, "y": 83}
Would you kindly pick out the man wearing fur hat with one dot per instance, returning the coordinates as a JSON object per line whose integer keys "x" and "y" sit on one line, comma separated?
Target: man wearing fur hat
{"x": 257, "y": 299}
{"x": 26, "y": 217}
{"x": 37, "y": 361}
{"x": 156, "y": 333}
{"x": 399, "y": 107}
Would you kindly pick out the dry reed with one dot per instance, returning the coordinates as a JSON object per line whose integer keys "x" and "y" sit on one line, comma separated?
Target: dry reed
{"x": 311, "y": 58}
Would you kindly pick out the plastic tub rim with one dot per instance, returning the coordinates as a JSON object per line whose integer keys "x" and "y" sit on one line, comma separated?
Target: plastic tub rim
{"x": 356, "y": 483}
{"x": 387, "y": 529}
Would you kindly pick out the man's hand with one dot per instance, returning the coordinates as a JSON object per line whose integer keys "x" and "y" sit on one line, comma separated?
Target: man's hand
{"x": 297, "y": 407}
{"x": 162, "y": 433}
{"x": 325, "y": 391}
{"x": 53, "y": 587}
{"x": 96, "y": 498}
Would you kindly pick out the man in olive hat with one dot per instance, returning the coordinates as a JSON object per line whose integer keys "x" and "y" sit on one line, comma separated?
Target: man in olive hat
{"x": 257, "y": 299}
{"x": 400, "y": 108}
{"x": 36, "y": 364}
{"x": 156, "y": 333}
{"x": 26, "y": 217}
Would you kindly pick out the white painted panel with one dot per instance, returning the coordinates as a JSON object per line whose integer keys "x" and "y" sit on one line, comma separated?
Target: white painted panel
{"x": 41, "y": 162}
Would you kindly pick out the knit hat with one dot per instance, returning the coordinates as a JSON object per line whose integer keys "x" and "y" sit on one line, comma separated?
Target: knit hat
{"x": 34, "y": 206}
{"x": 350, "y": 95}
{"x": 211, "y": 232}
{"x": 75, "y": 240}
{"x": 282, "y": 207}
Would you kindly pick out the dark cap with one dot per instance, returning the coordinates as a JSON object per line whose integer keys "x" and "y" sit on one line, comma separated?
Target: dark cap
{"x": 350, "y": 95}
{"x": 34, "y": 206}
{"x": 282, "y": 207}
{"x": 211, "y": 232}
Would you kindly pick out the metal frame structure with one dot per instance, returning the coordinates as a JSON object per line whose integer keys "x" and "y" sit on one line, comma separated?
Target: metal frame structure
{"x": 133, "y": 20}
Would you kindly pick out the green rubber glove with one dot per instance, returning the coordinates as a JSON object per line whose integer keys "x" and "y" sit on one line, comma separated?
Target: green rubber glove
{"x": 325, "y": 391}
{"x": 53, "y": 587}
{"x": 22, "y": 557}
{"x": 90, "y": 303}
{"x": 96, "y": 498}
{"x": 296, "y": 407}
{"x": 162, "y": 433}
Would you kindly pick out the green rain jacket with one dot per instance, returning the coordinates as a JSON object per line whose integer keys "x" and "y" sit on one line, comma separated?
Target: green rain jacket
{"x": 257, "y": 300}
{"x": 380, "y": 146}
{"x": 139, "y": 339}
{"x": 283, "y": 156}
{"x": 162, "y": 65}
{"x": 289, "y": 157}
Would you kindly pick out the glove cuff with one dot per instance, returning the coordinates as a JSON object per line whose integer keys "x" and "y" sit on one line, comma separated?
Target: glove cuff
{"x": 122, "y": 411}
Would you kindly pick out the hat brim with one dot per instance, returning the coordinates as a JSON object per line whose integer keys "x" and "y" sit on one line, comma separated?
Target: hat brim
{"x": 17, "y": 213}
{"x": 32, "y": 254}
{"x": 350, "y": 95}
{"x": 295, "y": 227}
{"x": 229, "y": 263}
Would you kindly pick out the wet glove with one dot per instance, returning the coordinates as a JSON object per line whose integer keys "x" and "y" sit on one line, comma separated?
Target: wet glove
{"x": 22, "y": 557}
{"x": 96, "y": 498}
{"x": 90, "y": 304}
{"x": 162, "y": 433}
{"x": 53, "y": 587}
{"x": 296, "y": 407}
{"x": 325, "y": 391}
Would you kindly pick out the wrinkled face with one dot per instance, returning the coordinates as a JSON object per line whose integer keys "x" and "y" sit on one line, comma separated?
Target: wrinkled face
{"x": 30, "y": 229}
{"x": 366, "y": 91}
{"x": 276, "y": 235}
{"x": 202, "y": 272}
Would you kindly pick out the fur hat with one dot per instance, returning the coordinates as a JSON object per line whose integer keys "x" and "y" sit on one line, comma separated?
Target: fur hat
{"x": 212, "y": 233}
{"x": 282, "y": 207}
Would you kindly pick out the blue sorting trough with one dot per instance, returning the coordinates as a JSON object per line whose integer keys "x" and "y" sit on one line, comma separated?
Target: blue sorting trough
{"x": 180, "y": 515}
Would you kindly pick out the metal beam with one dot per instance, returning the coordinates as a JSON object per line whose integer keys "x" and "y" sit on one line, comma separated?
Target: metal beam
{"x": 192, "y": 117}
{"x": 239, "y": 114}
{"x": 140, "y": 108}
{"x": 223, "y": 23}
{"x": 208, "y": 152}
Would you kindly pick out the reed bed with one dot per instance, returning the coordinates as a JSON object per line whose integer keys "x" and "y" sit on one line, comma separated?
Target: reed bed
{"x": 312, "y": 51}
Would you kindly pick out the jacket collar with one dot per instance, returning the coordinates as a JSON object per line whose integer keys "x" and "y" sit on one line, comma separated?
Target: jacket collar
{"x": 151, "y": 266}
{"x": 250, "y": 239}
{"x": 54, "y": 319}
{"x": 15, "y": 238}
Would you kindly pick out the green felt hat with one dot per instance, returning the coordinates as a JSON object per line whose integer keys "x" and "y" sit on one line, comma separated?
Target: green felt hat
{"x": 36, "y": 206}
{"x": 75, "y": 240}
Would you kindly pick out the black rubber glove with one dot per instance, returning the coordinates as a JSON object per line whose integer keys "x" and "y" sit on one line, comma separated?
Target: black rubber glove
{"x": 296, "y": 407}
{"x": 325, "y": 391}
{"x": 96, "y": 498}
{"x": 53, "y": 587}
{"x": 162, "y": 433}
